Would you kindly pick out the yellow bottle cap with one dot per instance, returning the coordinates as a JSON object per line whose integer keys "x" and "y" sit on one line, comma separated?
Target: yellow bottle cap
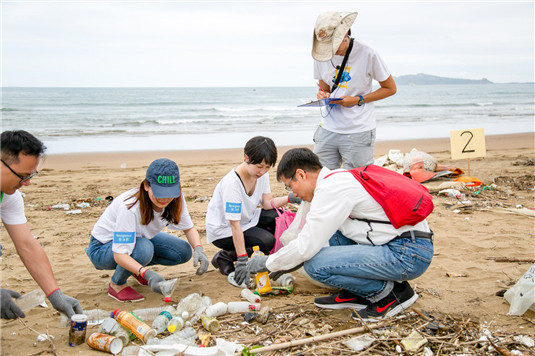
{"x": 256, "y": 248}
{"x": 171, "y": 328}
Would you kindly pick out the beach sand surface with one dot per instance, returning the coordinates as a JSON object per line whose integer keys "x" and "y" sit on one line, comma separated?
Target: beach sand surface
{"x": 462, "y": 281}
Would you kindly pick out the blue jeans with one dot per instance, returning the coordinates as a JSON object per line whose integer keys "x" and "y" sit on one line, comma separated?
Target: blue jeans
{"x": 366, "y": 270}
{"x": 162, "y": 249}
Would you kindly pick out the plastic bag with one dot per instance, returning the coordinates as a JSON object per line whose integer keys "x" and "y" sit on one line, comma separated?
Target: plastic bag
{"x": 416, "y": 156}
{"x": 522, "y": 295}
{"x": 282, "y": 222}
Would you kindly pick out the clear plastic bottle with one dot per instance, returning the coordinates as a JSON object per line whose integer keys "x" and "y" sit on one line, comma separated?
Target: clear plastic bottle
{"x": 250, "y": 296}
{"x": 205, "y": 303}
{"x": 190, "y": 303}
{"x": 185, "y": 336}
{"x": 286, "y": 280}
{"x": 94, "y": 317}
{"x": 262, "y": 278}
{"x": 135, "y": 325}
{"x": 242, "y": 307}
{"x": 162, "y": 320}
{"x": 175, "y": 324}
{"x": 110, "y": 326}
{"x": 149, "y": 314}
{"x": 216, "y": 310}
{"x": 167, "y": 288}
{"x": 30, "y": 300}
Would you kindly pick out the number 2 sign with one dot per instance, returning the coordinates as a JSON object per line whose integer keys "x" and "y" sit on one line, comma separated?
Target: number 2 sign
{"x": 467, "y": 143}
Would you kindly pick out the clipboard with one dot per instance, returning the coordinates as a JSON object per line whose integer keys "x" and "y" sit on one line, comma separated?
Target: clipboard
{"x": 319, "y": 103}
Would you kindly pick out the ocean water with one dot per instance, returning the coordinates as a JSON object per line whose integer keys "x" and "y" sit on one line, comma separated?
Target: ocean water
{"x": 134, "y": 119}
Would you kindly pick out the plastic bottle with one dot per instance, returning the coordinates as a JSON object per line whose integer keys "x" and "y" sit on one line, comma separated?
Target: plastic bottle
{"x": 250, "y": 296}
{"x": 149, "y": 314}
{"x": 242, "y": 307}
{"x": 210, "y": 324}
{"x": 286, "y": 280}
{"x": 262, "y": 279}
{"x": 205, "y": 303}
{"x": 454, "y": 193}
{"x": 216, "y": 310}
{"x": 190, "y": 303}
{"x": 175, "y": 324}
{"x": 61, "y": 206}
{"x": 94, "y": 317}
{"x": 167, "y": 288}
{"x": 185, "y": 336}
{"x": 136, "y": 326}
{"x": 110, "y": 326}
{"x": 30, "y": 300}
{"x": 162, "y": 320}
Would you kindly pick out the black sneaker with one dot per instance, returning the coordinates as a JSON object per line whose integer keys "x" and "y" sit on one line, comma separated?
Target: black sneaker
{"x": 399, "y": 299}
{"x": 341, "y": 300}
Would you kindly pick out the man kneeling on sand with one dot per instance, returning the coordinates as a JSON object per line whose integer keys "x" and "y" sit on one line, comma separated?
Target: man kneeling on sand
{"x": 371, "y": 262}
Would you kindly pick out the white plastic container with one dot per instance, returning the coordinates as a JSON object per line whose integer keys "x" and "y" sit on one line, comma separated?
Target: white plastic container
{"x": 242, "y": 307}
{"x": 30, "y": 300}
{"x": 250, "y": 296}
{"x": 216, "y": 310}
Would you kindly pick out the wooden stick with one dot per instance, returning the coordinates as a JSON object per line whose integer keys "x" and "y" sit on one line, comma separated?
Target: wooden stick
{"x": 285, "y": 345}
{"x": 511, "y": 259}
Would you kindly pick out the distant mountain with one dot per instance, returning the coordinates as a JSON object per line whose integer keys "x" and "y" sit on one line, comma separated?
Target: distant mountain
{"x": 426, "y": 79}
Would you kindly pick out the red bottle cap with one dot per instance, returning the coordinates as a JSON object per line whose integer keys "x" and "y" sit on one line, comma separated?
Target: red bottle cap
{"x": 167, "y": 299}
{"x": 116, "y": 311}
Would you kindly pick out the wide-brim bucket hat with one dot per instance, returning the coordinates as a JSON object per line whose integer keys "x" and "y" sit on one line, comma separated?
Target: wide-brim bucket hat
{"x": 329, "y": 32}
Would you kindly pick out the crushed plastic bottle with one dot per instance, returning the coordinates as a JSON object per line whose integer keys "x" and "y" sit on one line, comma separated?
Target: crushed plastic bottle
{"x": 205, "y": 303}
{"x": 454, "y": 193}
{"x": 94, "y": 317}
{"x": 286, "y": 280}
{"x": 250, "y": 296}
{"x": 232, "y": 281}
{"x": 185, "y": 336}
{"x": 167, "y": 288}
{"x": 149, "y": 314}
{"x": 30, "y": 300}
{"x": 61, "y": 206}
{"x": 110, "y": 326}
{"x": 189, "y": 303}
{"x": 162, "y": 320}
{"x": 216, "y": 310}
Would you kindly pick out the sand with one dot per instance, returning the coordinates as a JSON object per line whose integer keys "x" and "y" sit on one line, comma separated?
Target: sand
{"x": 462, "y": 280}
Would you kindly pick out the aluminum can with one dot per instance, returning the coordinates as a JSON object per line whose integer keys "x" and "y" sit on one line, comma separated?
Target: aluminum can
{"x": 78, "y": 329}
{"x": 104, "y": 342}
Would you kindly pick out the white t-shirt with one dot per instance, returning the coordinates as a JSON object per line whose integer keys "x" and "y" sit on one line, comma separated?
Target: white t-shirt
{"x": 12, "y": 209}
{"x": 336, "y": 198}
{"x": 231, "y": 202}
{"x": 122, "y": 225}
{"x": 363, "y": 66}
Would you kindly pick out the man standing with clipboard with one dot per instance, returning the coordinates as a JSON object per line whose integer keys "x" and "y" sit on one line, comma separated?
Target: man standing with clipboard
{"x": 346, "y": 134}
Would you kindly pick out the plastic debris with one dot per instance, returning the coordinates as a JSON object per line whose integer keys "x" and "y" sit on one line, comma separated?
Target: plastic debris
{"x": 414, "y": 341}
{"x": 522, "y": 295}
{"x": 361, "y": 342}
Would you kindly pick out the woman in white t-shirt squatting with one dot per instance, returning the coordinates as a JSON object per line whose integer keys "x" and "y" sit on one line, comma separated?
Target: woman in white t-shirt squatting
{"x": 234, "y": 221}
{"x": 128, "y": 236}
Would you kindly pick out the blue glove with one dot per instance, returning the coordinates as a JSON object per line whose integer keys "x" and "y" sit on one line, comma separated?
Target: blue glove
{"x": 241, "y": 274}
{"x": 200, "y": 256}
{"x": 293, "y": 199}
{"x": 154, "y": 280}
{"x": 65, "y": 304}
{"x": 10, "y": 310}
{"x": 257, "y": 264}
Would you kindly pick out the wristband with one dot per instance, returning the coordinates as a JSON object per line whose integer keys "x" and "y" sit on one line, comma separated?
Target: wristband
{"x": 139, "y": 271}
{"x": 244, "y": 255}
{"x": 49, "y": 294}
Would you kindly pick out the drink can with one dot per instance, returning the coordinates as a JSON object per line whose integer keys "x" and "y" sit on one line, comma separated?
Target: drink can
{"x": 104, "y": 342}
{"x": 78, "y": 329}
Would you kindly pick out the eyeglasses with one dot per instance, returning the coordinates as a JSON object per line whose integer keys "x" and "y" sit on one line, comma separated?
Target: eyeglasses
{"x": 287, "y": 186}
{"x": 22, "y": 179}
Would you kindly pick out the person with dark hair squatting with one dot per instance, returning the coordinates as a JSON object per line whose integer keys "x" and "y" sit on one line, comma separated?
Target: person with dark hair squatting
{"x": 347, "y": 242}
{"x": 234, "y": 223}
{"x": 128, "y": 236}
{"x": 21, "y": 152}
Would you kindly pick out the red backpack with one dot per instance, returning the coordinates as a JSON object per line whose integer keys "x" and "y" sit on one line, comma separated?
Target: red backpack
{"x": 405, "y": 201}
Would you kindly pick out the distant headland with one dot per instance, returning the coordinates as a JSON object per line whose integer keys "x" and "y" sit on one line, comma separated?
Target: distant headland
{"x": 426, "y": 79}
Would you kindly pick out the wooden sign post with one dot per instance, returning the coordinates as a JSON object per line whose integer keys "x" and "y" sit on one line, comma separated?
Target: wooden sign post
{"x": 466, "y": 144}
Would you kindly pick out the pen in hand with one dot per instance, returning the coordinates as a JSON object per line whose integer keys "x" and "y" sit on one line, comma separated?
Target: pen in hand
{"x": 323, "y": 91}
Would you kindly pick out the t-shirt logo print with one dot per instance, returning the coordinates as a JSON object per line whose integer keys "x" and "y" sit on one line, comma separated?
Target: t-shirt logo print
{"x": 346, "y": 77}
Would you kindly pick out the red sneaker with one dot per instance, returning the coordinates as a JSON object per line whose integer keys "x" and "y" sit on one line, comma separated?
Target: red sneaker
{"x": 140, "y": 280}
{"x": 128, "y": 294}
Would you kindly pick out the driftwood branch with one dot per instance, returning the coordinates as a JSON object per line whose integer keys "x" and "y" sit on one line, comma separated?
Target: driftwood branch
{"x": 511, "y": 259}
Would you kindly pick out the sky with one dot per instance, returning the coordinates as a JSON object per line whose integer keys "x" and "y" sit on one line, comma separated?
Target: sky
{"x": 248, "y": 43}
